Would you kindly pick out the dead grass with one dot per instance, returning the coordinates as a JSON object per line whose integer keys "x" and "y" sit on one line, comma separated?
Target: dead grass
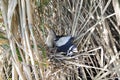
{"x": 93, "y": 23}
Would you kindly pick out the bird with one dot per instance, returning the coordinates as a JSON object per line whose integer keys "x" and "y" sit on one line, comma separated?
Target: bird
{"x": 50, "y": 38}
{"x": 63, "y": 43}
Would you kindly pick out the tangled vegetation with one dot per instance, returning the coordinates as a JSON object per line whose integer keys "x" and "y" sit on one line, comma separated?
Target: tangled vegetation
{"x": 95, "y": 24}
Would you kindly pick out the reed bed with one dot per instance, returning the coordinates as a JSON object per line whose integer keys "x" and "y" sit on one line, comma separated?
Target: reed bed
{"x": 95, "y": 24}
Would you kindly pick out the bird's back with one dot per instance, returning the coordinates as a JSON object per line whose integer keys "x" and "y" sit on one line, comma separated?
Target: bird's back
{"x": 62, "y": 40}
